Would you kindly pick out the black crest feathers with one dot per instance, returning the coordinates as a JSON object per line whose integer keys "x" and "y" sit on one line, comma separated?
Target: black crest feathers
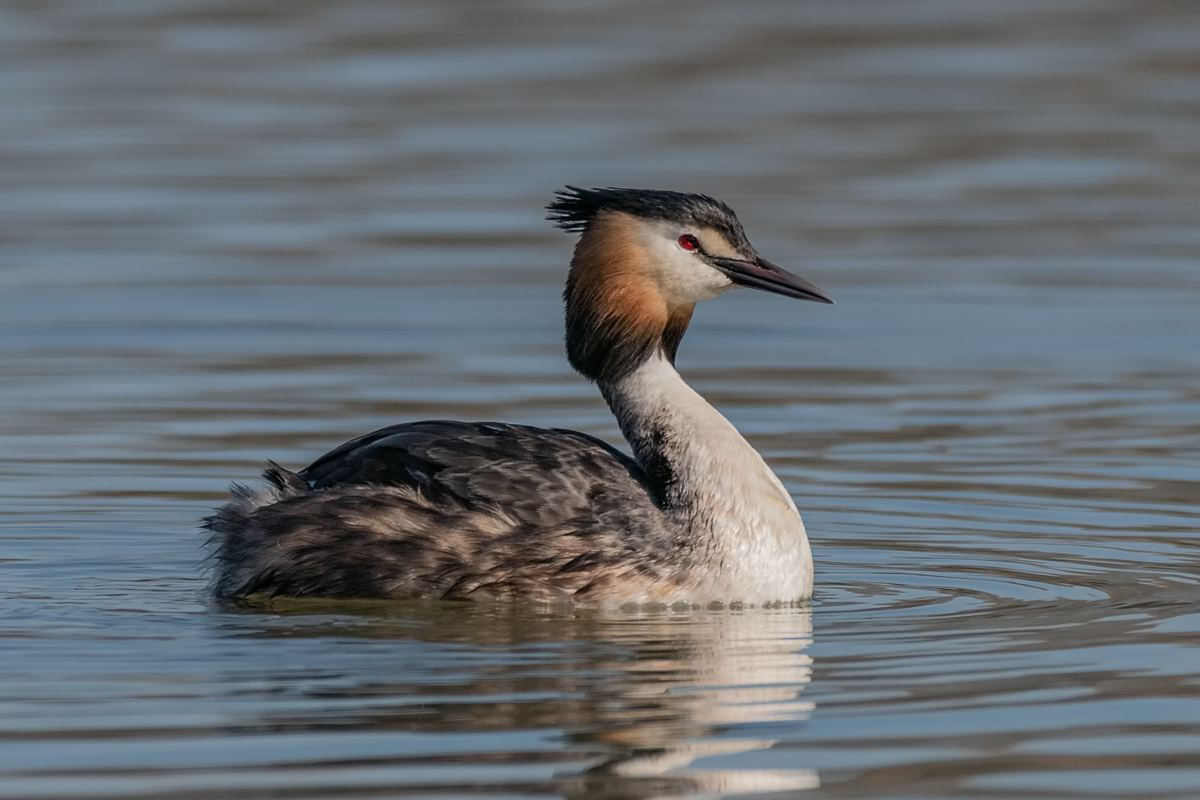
{"x": 573, "y": 209}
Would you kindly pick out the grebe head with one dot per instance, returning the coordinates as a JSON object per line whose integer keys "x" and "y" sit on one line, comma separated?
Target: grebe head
{"x": 644, "y": 259}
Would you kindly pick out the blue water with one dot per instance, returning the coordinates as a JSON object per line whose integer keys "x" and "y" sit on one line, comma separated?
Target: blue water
{"x": 231, "y": 233}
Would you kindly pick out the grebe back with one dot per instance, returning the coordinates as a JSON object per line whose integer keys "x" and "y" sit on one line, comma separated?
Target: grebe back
{"x": 498, "y": 511}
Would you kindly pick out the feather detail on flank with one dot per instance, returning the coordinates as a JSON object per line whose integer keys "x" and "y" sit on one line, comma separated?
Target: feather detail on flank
{"x": 507, "y": 512}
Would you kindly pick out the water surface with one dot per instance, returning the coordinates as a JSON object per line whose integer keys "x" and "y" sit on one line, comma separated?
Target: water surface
{"x": 233, "y": 233}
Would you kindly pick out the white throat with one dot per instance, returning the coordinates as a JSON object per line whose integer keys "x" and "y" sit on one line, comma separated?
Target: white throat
{"x": 749, "y": 542}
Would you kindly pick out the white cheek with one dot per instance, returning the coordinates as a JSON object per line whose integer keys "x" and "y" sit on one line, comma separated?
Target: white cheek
{"x": 701, "y": 283}
{"x": 682, "y": 276}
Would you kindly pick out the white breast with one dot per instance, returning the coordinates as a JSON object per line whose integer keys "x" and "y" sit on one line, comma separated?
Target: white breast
{"x": 749, "y": 537}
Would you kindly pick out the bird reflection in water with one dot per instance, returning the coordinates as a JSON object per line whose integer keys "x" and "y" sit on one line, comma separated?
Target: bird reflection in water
{"x": 644, "y": 700}
{"x": 684, "y": 698}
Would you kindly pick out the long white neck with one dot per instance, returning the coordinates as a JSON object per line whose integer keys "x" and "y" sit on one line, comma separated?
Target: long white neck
{"x": 748, "y": 541}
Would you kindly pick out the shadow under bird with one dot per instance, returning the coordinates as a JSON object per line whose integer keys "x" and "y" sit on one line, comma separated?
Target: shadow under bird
{"x": 489, "y": 510}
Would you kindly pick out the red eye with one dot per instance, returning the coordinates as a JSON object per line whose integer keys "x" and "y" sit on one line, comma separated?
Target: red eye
{"x": 689, "y": 242}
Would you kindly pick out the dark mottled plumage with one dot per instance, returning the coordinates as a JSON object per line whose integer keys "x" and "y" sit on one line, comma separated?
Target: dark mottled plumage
{"x": 447, "y": 509}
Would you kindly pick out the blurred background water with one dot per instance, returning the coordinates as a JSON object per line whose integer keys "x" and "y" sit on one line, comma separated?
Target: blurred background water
{"x": 239, "y": 231}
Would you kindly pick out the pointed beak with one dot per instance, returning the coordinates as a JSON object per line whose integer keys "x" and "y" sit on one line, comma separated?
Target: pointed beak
{"x": 762, "y": 274}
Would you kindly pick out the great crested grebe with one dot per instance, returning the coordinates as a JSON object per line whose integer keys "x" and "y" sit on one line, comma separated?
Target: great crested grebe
{"x": 489, "y": 510}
